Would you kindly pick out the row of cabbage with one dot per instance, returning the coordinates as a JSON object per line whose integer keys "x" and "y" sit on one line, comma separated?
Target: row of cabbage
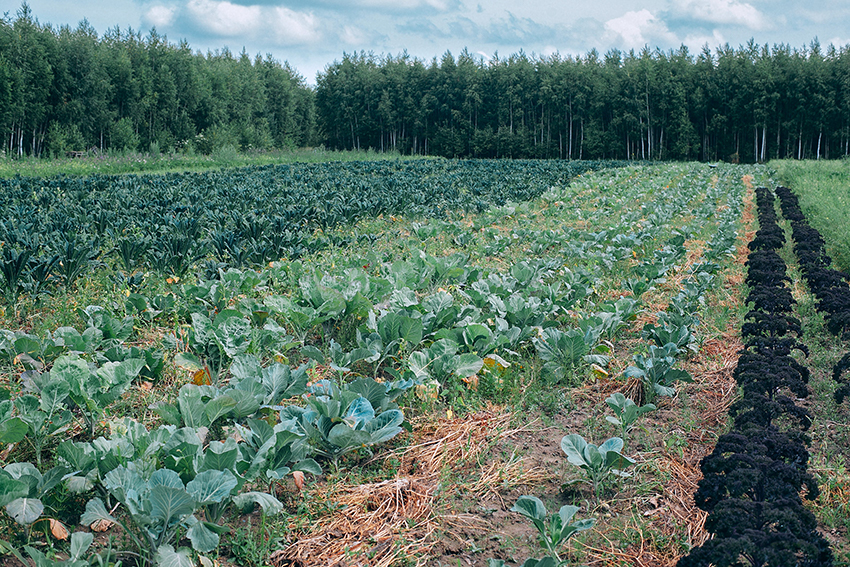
{"x": 672, "y": 336}
{"x": 55, "y": 229}
{"x": 753, "y": 479}
{"x": 431, "y": 322}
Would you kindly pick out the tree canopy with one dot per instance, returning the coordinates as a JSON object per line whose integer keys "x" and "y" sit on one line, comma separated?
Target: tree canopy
{"x": 752, "y": 103}
{"x": 67, "y": 89}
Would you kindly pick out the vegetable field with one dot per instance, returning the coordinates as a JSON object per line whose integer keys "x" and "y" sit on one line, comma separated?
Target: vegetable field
{"x": 420, "y": 363}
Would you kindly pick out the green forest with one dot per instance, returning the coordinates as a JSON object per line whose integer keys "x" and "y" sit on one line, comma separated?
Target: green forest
{"x": 64, "y": 89}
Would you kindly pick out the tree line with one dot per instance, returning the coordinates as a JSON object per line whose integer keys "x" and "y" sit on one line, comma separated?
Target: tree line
{"x": 748, "y": 104}
{"x": 67, "y": 89}
{"x": 64, "y": 89}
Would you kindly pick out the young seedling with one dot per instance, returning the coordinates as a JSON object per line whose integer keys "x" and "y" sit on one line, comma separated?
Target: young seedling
{"x": 554, "y": 530}
{"x": 597, "y": 461}
{"x": 626, "y": 412}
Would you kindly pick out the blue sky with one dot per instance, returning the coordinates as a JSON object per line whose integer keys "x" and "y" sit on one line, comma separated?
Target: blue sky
{"x": 311, "y": 34}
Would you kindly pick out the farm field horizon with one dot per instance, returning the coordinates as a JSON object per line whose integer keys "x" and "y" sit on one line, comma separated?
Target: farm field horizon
{"x": 412, "y": 362}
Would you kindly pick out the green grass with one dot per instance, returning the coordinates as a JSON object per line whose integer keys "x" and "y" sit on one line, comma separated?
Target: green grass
{"x": 829, "y": 453}
{"x": 133, "y": 162}
{"x": 823, "y": 188}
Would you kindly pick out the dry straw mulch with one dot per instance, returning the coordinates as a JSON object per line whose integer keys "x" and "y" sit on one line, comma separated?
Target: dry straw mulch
{"x": 380, "y": 523}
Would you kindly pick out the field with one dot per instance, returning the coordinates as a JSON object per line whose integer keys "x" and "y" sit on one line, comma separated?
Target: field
{"x": 392, "y": 363}
{"x": 825, "y": 200}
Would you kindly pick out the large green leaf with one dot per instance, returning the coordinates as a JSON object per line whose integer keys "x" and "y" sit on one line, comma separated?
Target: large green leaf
{"x": 218, "y": 407}
{"x": 51, "y": 478}
{"x": 359, "y": 413}
{"x": 11, "y": 489}
{"x": 75, "y": 371}
{"x": 574, "y": 446}
{"x": 233, "y": 335}
{"x": 203, "y": 539}
{"x": 25, "y": 510}
{"x": 167, "y": 478}
{"x": 191, "y": 406}
{"x": 53, "y": 396}
{"x": 532, "y": 508}
{"x": 419, "y": 363}
{"x": 80, "y": 542}
{"x": 267, "y": 502}
{"x": 170, "y": 505}
{"x": 385, "y": 426}
{"x": 12, "y": 430}
{"x": 344, "y": 437}
{"x": 613, "y": 444}
{"x": 188, "y": 361}
{"x": 246, "y": 404}
{"x": 212, "y": 486}
{"x": 95, "y": 510}
{"x": 221, "y": 455}
{"x": 468, "y": 364}
{"x": 121, "y": 374}
{"x": 167, "y": 557}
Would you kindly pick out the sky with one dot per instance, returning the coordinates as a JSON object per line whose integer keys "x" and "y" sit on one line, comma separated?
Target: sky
{"x": 310, "y": 34}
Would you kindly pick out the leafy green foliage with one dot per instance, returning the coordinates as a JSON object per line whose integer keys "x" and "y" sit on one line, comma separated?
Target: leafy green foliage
{"x": 626, "y": 411}
{"x": 656, "y": 371}
{"x": 339, "y": 420}
{"x": 22, "y": 487}
{"x": 597, "y": 461}
{"x": 553, "y": 530}
{"x": 565, "y": 350}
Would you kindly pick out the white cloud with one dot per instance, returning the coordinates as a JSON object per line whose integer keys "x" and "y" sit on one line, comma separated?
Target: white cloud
{"x": 395, "y": 5}
{"x": 354, "y": 36}
{"x": 278, "y": 25}
{"x": 159, "y": 16}
{"x": 224, "y": 18}
{"x": 723, "y": 12}
{"x": 837, "y": 42}
{"x": 636, "y": 29}
{"x": 695, "y": 43}
{"x": 441, "y": 5}
{"x": 293, "y": 27}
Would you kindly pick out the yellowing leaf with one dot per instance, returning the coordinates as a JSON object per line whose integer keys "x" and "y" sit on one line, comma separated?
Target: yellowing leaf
{"x": 201, "y": 378}
{"x": 598, "y": 371}
{"x": 101, "y": 525}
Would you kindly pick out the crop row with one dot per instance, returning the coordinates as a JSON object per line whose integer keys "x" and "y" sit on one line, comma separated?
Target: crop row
{"x": 437, "y": 322}
{"x": 753, "y": 479}
{"x": 829, "y": 286}
{"x": 56, "y": 228}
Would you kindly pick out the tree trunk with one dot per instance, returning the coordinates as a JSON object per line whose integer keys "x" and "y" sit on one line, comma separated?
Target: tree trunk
{"x": 581, "y": 143}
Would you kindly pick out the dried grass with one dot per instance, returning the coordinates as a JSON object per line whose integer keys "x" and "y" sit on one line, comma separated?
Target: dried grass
{"x": 380, "y": 523}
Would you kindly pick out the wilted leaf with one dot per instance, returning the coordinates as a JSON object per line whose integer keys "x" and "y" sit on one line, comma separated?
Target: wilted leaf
{"x": 298, "y": 476}
{"x": 58, "y": 530}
